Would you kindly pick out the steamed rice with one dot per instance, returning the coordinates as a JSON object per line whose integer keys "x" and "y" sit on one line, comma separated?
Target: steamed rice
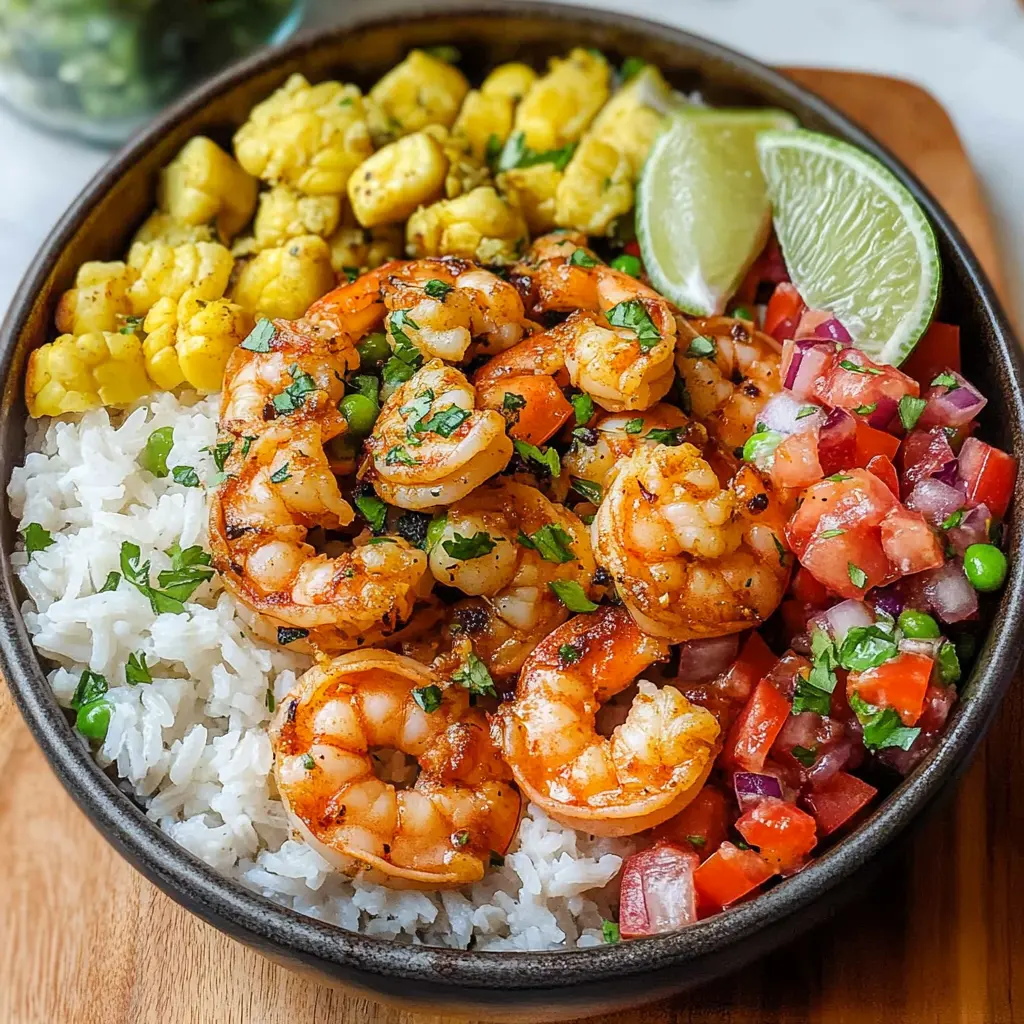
{"x": 192, "y": 746}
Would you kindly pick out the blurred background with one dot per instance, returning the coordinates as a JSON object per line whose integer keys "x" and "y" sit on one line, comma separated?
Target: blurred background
{"x": 79, "y": 76}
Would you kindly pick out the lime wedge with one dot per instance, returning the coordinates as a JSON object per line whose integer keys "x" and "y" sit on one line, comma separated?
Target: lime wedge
{"x": 854, "y": 239}
{"x": 702, "y": 211}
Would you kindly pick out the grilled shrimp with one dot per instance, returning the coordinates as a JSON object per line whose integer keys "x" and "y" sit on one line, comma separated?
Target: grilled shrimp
{"x": 730, "y": 380}
{"x": 619, "y": 352}
{"x": 438, "y": 833}
{"x": 690, "y": 558}
{"x": 354, "y": 309}
{"x": 444, "y": 303}
{"x": 431, "y": 445}
{"x": 547, "y": 279}
{"x": 289, "y": 374}
{"x": 274, "y": 494}
{"x": 650, "y": 767}
{"x": 507, "y": 543}
{"x": 594, "y": 453}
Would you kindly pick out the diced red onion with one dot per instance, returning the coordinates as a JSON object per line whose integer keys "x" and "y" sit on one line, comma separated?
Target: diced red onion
{"x": 810, "y": 321}
{"x": 751, "y": 787}
{"x": 950, "y": 594}
{"x": 701, "y": 660}
{"x": 808, "y": 365}
{"x": 782, "y": 412}
{"x": 952, "y": 408}
{"x": 949, "y": 475}
{"x": 885, "y": 410}
{"x": 889, "y": 600}
{"x": 972, "y": 529}
{"x": 833, "y": 330}
{"x": 925, "y": 453}
{"x": 657, "y": 893}
{"x": 935, "y": 500}
{"x": 838, "y": 620}
{"x": 800, "y": 730}
{"x": 832, "y": 759}
{"x": 929, "y": 648}
{"x": 837, "y": 442}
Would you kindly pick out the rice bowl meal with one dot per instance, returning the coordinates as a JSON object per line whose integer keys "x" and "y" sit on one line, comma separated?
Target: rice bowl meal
{"x": 525, "y": 514}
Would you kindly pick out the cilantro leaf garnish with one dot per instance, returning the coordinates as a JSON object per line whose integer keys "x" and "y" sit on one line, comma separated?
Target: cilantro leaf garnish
{"x": 866, "y": 647}
{"x": 858, "y": 577}
{"x": 511, "y": 405}
{"x": 373, "y": 510}
{"x": 473, "y": 675}
{"x": 294, "y": 395}
{"x": 947, "y": 381}
{"x": 466, "y": 548}
{"x": 280, "y": 475}
{"x": 551, "y": 542}
{"x": 883, "y": 727}
{"x": 445, "y": 422}
{"x": 186, "y": 476}
{"x": 154, "y": 456}
{"x": 545, "y": 457}
{"x": 36, "y": 538}
{"x": 671, "y": 436}
{"x": 260, "y": 337}
{"x": 427, "y": 697}
{"x": 587, "y": 489}
{"x": 582, "y": 258}
{"x": 582, "y": 407}
{"x": 701, "y": 347}
{"x": 515, "y": 153}
{"x": 572, "y": 595}
{"x": 398, "y": 456}
{"x": 910, "y": 409}
{"x": 137, "y": 671}
{"x": 633, "y": 315}
{"x": 437, "y": 289}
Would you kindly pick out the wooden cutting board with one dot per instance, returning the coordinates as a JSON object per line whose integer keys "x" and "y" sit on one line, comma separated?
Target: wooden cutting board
{"x": 86, "y": 940}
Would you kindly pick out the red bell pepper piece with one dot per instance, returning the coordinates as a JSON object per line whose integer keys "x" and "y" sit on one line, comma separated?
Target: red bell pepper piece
{"x": 729, "y": 874}
{"x": 989, "y": 475}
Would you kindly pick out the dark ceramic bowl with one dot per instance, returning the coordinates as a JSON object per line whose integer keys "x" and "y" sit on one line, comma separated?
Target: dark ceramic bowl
{"x": 531, "y": 986}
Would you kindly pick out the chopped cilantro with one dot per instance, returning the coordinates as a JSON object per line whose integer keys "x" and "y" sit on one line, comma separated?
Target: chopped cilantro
{"x": 866, "y": 410}
{"x": 805, "y": 755}
{"x": 186, "y": 476}
{"x": 435, "y": 530}
{"x": 467, "y": 548}
{"x": 260, "y": 336}
{"x": 631, "y": 67}
{"x": 308, "y": 763}
{"x": 131, "y": 324}
{"x": 515, "y": 153}
{"x": 247, "y": 440}
{"x": 946, "y": 380}
{"x": 582, "y": 258}
{"x": 866, "y": 647}
{"x": 910, "y": 409}
{"x": 188, "y": 570}
{"x": 701, "y": 347}
{"x": 373, "y": 510}
{"x": 568, "y": 654}
{"x": 858, "y": 577}
{"x": 634, "y": 426}
{"x": 883, "y": 727}
{"x": 949, "y": 663}
{"x": 848, "y": 364}
{"x": 583, "y": 408}
{"x": 137, "y": 671}
{"x": 587, "y": 489}
{"x": 437, "y": 289}
{"x": 445, "y": 422}
{"x": 805, "y": 411}
{"x": 294, "y": 395}
{"x": 398, "y": 456}
{"x": 551, "y": 542}
{"x": 671, "y": 436}
{"x": 953, "y": 519}
{"x": 827, "y": 534}
{"x": 280, "y": 475}
{"x": 473, "y": 675}
{"x": 572, "y": 595}
{"x": 270, "y": 700}
{"x": 610, "y": 932}
{"x": 511, "y": 405}
{"x": 91, "y": 686}
{"x": 221, "y": 452}
{"x": 546, "y": 457}
{"x": 633, "y": 315}
{"x": 111, "y": 583}
{"x": 36, "y": 538}
{"x": 427, "y": 697}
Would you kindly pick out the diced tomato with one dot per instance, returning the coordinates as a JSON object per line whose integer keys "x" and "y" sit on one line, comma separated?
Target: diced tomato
{"x": 754, "y": 663}
{"x": 544, "y": 413}
{"x": 835, "y": 803}
{"x": 806, "y": 588}
{"x": 855, "y": 380}
{"x": 856, "y": 499}
{"x": 989, "y": 475}
{"x": 839, "y": 561}
{"x": 883, "y": 468}
{"x": 938, "y": 348}
{"x": 754, "y": 731}
{"x": 783, "y": 833}
{"x": 837, "y": 442}
{"x": 923, "y": 454}
{"x": 632, "y": 248}
{"x": 657, "y": 893}
{"x": 872, "y": 442}
{"x": 728, "y": 875}
{"x": 702, "y": 825}
{"x": 899, "y": 683}
{"x": 783, "y": 312}
{"x": 909, "y": 542}
{"x": 796, "y": 461}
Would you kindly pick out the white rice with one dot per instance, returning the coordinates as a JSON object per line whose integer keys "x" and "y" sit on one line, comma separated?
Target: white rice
{"x": 192, "y": 746}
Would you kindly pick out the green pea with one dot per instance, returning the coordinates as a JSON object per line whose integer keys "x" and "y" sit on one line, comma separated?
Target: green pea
{"x": 374, "y": 351}
{"x": 360, "y": 413}
{"x": 985, "y": 566}
{"x": 743, "y": 313}
{"x": 627, "y": 264}
{"x": 918, "y": 625}
{"x": 93, "y": 719}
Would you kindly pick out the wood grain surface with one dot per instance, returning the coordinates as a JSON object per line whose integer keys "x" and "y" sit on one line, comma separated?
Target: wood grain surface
{"x": 85, "y": 940}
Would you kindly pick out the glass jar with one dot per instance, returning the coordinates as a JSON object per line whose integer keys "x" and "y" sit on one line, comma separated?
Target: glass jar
{"x": 100, "y": 68}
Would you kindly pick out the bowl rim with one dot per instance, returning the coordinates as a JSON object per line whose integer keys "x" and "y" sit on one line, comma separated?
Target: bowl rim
{"x": 226, "y": 903}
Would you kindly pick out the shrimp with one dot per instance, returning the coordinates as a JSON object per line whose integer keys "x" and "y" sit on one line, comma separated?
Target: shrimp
{"x": 445, "y": 302}
{"x": 620, "y": 353}
{"x": 689, "y": 557}
{"x": 651, "y": 766}
{"x": 354, "y": 309}
{"x": 595, "y": 451}
{"x": 508, "y": 544}
{"x": 547, "y": 279}
{"x": 289, "y": 373}
{"x": 437, "y": 834}
{"x": 279, "y": 486}
{"x": 430, "y": 445}
{"x": 730, "y": 384}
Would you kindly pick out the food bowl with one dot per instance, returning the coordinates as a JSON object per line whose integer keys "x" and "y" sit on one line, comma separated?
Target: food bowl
{"x": 527, "y": 986}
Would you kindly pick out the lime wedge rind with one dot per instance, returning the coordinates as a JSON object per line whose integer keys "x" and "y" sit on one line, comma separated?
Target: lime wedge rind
{"x": 702, "y": 207}
{"x": 855, "y": 240}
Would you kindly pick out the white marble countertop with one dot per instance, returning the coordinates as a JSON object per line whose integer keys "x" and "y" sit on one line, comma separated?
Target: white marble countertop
{"x": 968, "y": 53}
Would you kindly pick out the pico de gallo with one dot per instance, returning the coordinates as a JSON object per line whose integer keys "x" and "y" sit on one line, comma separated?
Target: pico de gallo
{"x": 894, "y": 536}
